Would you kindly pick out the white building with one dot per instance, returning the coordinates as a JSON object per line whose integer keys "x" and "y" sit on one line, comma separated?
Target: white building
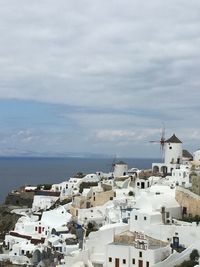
{"x": 135, "y": 249}
{"x": 97, "y": 241}
{"x": 180, "y": 176}
{"x": 67, "y": 188}
{"x": 172, "y": 156}
{"x": 31, "y": 228}
{"x": 43, "y": 202}
{"x": 142, "y": 183}
{"x": 120, "y": 169}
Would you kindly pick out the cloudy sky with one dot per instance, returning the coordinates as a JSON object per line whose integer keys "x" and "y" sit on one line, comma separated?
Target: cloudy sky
{"x": 98, "y": 76}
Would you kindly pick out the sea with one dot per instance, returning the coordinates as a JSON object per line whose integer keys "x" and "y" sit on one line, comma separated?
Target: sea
{"x": 16, "y": 172}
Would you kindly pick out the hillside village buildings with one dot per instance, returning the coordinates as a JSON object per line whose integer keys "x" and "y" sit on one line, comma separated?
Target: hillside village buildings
{"x": 127, "y": 217}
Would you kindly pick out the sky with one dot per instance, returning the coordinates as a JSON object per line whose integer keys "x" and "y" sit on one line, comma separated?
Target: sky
{"x": 98, "y": 77}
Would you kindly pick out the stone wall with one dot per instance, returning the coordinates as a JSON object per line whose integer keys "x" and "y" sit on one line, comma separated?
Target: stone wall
{"x": 189, "y": 201}
{"x": 196, "y": 184}
{"x": 22, "y": 199}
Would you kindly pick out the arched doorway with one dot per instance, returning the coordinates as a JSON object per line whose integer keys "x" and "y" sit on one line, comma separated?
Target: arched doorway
{"x": 155, "y": 169}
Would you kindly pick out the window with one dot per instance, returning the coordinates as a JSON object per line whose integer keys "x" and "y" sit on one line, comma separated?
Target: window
{"x": 36, "y": 228}
{"x": 136, "y": 217}
{"x": 124, "y": 261}
{"x": 110, "y": 259}
{"x": 133, "y": 261}
{"x": 140, "y": 254}
{"x": 147, "y": 264}
{"x": 145, "y": 218}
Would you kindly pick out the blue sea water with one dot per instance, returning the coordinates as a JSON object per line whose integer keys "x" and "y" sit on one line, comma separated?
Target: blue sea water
{"x": 15, "y": 172}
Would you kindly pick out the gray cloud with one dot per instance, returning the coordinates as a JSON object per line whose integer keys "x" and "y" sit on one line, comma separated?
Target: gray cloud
{"x": 137, "y": 60}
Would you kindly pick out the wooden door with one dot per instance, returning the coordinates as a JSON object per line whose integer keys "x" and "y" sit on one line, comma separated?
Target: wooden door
{"x": 116, "y": 262}
{"x": 140, "y": 263}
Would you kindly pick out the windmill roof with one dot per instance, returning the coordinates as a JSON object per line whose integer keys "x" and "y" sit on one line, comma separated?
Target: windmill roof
{"x": 187, "y": 154}
{"x": 173, "y": 139}
{"x": 120, "y": 163}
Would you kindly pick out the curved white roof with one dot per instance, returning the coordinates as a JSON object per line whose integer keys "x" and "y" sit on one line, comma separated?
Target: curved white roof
{"x": 155, "y": 202}
{"x": 56, "y": 217}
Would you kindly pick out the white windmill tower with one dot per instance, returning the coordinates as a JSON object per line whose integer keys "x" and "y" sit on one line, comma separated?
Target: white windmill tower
{"x": 173, "y": 151}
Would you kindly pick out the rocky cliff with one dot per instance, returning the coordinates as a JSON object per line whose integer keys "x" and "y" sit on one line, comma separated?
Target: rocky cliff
{"x": 14, "y": 200}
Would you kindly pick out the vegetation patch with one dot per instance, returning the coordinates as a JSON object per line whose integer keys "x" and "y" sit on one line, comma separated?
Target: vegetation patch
{"x": 194, "y": 257}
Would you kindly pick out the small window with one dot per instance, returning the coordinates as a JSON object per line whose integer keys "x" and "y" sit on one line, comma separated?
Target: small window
{"x": 133, "y": 261}
{"x": 124, "y": 261}
{"x": 136, "y": 217}
{"x": 140, "y": 254}
{"x": 145, "y": 218}
{"x": 110, "y": 259}
{"x": 111, "y": 198}
{"x": 147, "y": 264}
{"x": 36, "y": 228}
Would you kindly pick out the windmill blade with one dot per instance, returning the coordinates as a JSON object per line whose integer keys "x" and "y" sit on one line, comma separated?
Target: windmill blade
{"x": 162, "y": 142}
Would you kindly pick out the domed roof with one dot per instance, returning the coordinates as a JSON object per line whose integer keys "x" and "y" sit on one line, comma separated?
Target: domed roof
{"x": 173, "y": 139}
{"x": 120, "y": 163}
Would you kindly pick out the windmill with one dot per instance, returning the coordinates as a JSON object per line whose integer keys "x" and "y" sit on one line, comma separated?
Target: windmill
{"x": 112, "y": 164}
{"x": 162, "y": 142}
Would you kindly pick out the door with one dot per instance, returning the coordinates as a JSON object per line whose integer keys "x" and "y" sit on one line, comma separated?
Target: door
{"x": 39, "y": 229}
{"x": 116, "y": 262}
{"x": 140, "y": 263}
